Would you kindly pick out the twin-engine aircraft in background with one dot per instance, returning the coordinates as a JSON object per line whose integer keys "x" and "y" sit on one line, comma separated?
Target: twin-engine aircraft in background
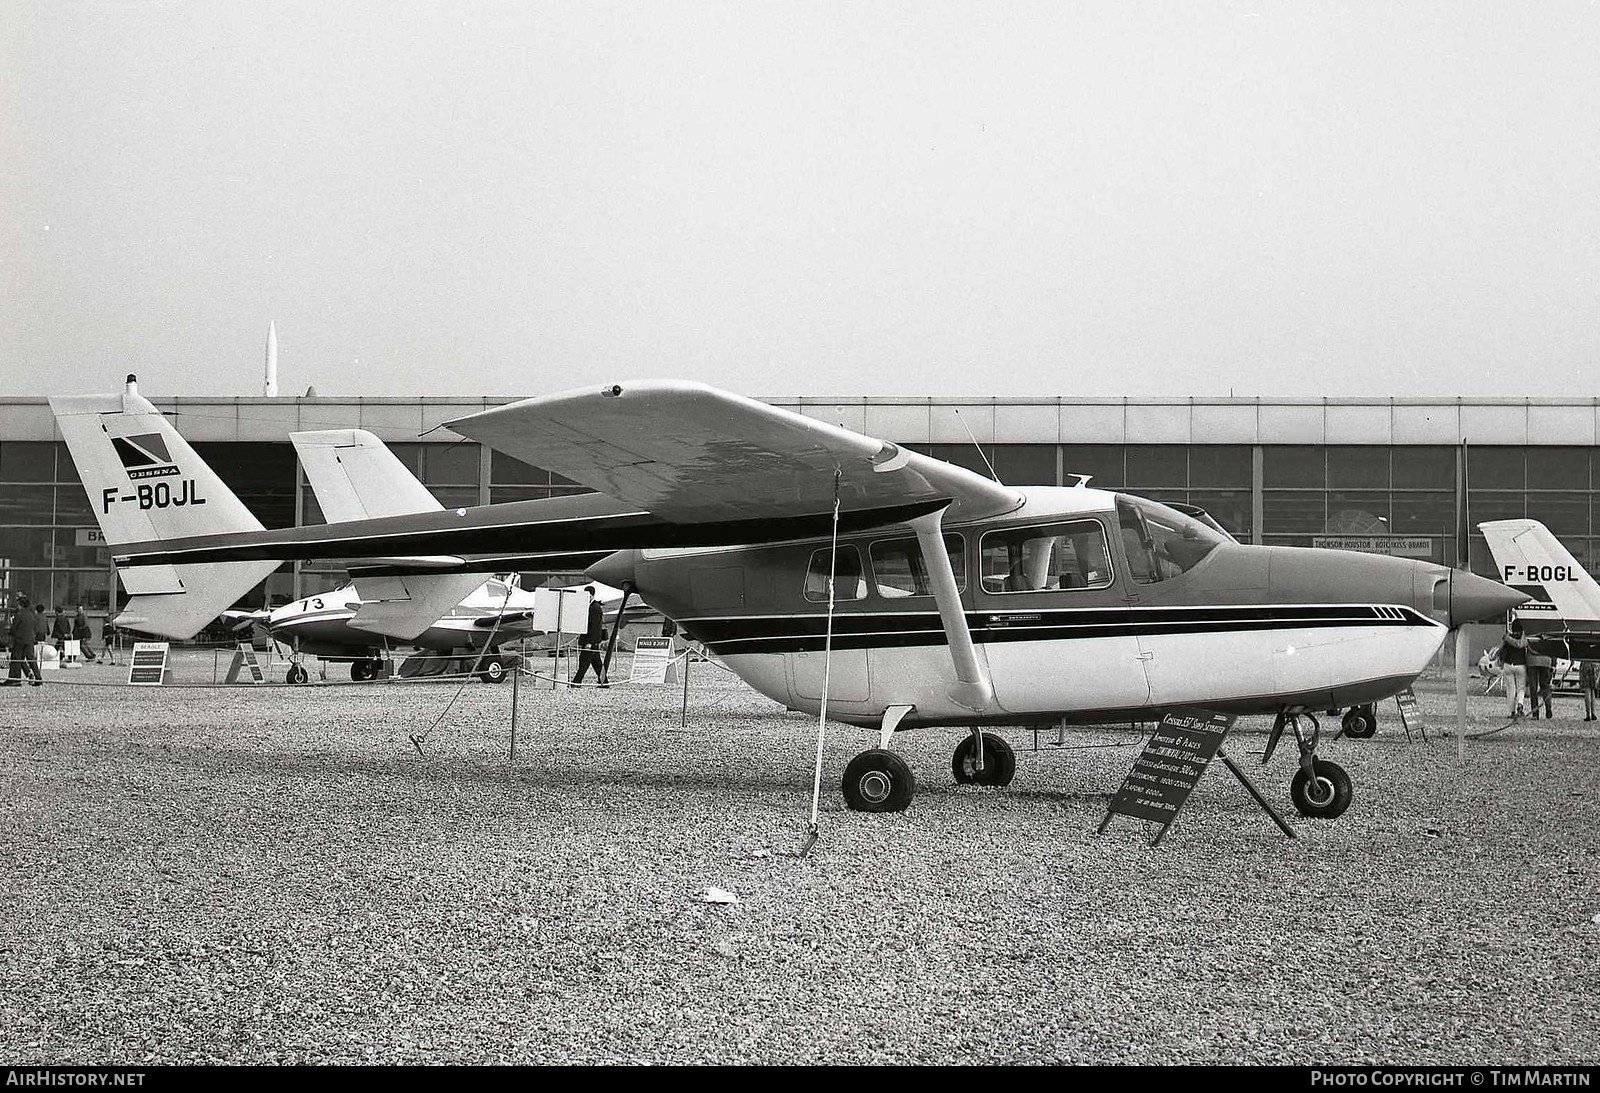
{"x": 823, "y": 565}
{"x": 1562, "y": 617}
{"x": 329, "y": 625}
{"x": 356, "y": 477}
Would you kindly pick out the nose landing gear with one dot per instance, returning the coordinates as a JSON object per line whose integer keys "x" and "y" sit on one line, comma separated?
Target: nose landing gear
{"x": 1321, "y": 789}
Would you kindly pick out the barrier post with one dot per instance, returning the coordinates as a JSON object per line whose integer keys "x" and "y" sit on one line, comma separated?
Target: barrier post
{"x": 515, "y": 673}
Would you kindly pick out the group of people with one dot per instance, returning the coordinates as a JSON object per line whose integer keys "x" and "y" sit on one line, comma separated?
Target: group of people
{"x": 1528, "y": 672}
{"x": 26, "y": 627}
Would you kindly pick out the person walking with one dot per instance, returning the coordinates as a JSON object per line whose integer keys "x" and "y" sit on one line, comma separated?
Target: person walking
{"x": 589, "y": 644}
{"x": 1514, "y": 666}
{"x": 82, "y": 634}
{"x": 1589, "y": 680}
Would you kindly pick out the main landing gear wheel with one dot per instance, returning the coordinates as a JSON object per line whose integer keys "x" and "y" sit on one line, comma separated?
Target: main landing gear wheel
{"x": 298, "y": 674}
{"x": 878, "y": 781}
{"x": 493, "y": 671}
{"x": 363, "y": 670}
{"x": 1360, "y": 721}
{"x": 1324, "y": 797}
{"x": 999, "y": 762}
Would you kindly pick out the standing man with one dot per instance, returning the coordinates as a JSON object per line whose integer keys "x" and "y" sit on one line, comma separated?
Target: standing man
{"x": 26, "y": 632}
{"x": 1541, "y": 673}
{"x": 1514, "y": 670}
{"x": 61, "y": 629}
{"x": 591, "y": 641}
{"x": 1589, "y": 680}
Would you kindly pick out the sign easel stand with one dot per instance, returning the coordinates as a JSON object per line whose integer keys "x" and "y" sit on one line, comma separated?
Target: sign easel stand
{"x": 1170, "y": 766}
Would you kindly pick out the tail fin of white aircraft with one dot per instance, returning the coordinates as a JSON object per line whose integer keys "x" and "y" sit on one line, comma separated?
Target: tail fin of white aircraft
{"x": 356, "y": 477}
{"x": 1532, "y": 560}
{"x": 146, "y": 483}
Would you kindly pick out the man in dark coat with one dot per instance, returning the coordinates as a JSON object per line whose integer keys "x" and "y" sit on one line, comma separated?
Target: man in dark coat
{"x": 591, "y": 641}
{"x": 26, "y": 632}
{"x": 61, "y": 629}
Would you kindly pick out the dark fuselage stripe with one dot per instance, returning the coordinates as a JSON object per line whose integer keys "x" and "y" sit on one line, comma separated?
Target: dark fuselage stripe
{"x": 785, "y": 634}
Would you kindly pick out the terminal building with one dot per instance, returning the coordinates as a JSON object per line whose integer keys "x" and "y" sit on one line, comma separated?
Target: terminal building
{"x": 1366, "y": 474}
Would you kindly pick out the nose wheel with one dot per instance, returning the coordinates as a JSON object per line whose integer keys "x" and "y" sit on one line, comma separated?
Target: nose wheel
{"x": 1323, "y": 796}
{"x": 1320, "y": 789}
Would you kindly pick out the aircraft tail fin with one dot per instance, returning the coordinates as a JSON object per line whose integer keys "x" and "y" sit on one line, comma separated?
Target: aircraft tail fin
{"x": 144, "y": 483}
{"x": 356, "y": 477}
{"x": 1531, "y": 559}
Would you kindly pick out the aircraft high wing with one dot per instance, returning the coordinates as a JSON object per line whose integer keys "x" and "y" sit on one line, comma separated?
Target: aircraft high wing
{"x": 835, "y": 571}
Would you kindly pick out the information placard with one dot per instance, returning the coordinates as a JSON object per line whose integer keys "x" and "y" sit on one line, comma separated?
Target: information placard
{"x": 1411, "y": 716}
{"x": 245, "y": 665}
{"x": 1166, "y": 772}
{"x": 652, "y": 657}
{"x": 148, "y": 668}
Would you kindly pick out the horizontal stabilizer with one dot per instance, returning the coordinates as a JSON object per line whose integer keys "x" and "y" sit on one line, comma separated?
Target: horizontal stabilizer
{"x": 403, "y": 607}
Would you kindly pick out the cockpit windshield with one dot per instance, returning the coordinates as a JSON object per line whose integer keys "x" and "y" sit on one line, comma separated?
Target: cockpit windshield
{"x": 1161, "y": 543}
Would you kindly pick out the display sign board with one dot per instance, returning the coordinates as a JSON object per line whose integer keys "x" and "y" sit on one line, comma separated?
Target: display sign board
{"x": 148, "y": 667}
{"x": 245, "y": 666}
{"x": 1399, "y": 546}
{"x": 561, "y": 610}
{"x": 1166, "y": 772}
{"x": 1410, "y": 711}
{"x": 652, "y": 659}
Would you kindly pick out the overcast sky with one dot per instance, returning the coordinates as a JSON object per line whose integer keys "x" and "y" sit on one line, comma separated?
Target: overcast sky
{"x": 802, "y": 198}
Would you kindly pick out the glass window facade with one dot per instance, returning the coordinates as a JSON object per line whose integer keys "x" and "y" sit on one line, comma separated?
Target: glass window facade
{"x": 1401, "y": 495}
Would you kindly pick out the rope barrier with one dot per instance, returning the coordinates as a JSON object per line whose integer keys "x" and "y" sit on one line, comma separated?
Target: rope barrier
{"x": 827, "y": 670}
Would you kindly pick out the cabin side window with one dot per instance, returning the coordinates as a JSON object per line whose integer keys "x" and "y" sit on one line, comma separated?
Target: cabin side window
{"x": 848, "y": 583}
{"x": 898, "y": 569}
{"x": 1161, "y": 543}
{"x": 1068, "y": 556}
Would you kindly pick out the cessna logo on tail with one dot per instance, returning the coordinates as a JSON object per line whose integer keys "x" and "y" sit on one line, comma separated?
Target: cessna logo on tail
{"x": 144, "y": 456}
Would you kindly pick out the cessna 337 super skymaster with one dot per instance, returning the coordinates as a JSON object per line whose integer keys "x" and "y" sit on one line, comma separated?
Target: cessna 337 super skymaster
{"x": 826, "y": 566}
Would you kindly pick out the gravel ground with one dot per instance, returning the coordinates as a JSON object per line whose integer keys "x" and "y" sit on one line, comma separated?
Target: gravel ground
{"x": 275, "y": 875}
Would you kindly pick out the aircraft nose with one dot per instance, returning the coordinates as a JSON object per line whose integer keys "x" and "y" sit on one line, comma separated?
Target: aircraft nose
{"x": 1478, "y": 599}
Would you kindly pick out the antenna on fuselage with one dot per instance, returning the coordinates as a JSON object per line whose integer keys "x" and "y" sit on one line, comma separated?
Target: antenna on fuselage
{"x": 978, "y": 446}
{"x": 1082, "y": 482}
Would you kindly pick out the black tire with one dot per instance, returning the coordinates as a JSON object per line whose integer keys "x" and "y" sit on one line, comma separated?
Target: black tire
{"x": 1360, "y": 722}
{"x": 298, "y": 674}
{"x": 878, "y": 781}
{"x": 1328, "y": 798}
{"x": 999, "y": 762}
{"x": 361, "y": 670}
{"x": 493, "y": 671}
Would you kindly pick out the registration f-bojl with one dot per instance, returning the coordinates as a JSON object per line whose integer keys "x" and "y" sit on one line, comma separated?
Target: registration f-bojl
{"x": 824, "y": 565}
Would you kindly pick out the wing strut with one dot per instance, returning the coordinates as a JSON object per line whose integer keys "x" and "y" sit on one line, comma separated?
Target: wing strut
{"x": 973, "y": 689}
